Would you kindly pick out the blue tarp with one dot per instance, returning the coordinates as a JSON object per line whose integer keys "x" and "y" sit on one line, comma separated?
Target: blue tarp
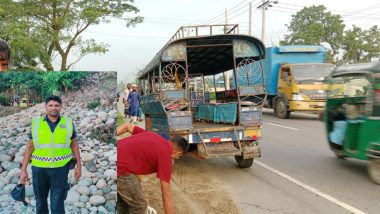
{"x": 220, "y": 113}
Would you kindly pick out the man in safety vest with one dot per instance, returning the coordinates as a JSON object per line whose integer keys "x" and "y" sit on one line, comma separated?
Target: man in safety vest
{"x": 51, "y": 147}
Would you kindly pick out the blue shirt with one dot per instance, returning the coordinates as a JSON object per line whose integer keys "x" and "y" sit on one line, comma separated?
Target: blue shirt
{"x": 53, "y": 125}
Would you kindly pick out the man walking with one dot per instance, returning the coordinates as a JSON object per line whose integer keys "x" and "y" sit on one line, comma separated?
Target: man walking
{"x": 125, "y": 100}
{"x": 143, "y": 153}
{"x": 5, "y": 55}
{"x": 51, "y": 147}
{"x": 134, "y": 103}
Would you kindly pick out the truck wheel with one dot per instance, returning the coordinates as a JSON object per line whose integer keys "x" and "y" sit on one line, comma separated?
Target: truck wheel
{"x": 281, "y": 109}
{"x": 243, "y": 163}
{"x": 374, "y": 170}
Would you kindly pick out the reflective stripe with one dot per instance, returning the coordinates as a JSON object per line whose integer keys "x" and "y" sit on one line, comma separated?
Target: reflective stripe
{"x": 48, "y": 146}
{"x": 35, "y": 132}
{"x": 55, "y": 159}
{"x": 68, "y": 136}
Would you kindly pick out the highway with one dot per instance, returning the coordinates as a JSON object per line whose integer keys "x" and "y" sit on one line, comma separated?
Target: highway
{"x": 297, "y": 173}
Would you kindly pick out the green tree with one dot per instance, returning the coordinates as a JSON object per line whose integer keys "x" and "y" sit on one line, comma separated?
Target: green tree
{"x": 55, "y": 27}
{"x": 360, "y": 45}
{"x": 313, "y": 25}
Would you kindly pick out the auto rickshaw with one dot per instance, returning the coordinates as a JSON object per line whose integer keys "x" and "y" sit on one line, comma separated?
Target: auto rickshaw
{"x": 352, "y": 114}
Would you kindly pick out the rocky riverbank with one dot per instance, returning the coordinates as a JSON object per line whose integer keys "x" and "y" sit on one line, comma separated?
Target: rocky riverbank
{"x": 96, "y": 191}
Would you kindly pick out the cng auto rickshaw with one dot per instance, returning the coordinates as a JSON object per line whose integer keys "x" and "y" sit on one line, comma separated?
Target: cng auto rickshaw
{"x": 352, "y": 114}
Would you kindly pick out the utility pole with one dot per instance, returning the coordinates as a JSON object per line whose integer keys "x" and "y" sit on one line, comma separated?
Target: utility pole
{"x": 250, "y": 19}
{"x": 225, "y": 21}
{"x": 264, "y": 6}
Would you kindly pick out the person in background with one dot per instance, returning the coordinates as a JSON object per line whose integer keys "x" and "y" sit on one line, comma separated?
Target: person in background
{"x": 5, "y": 55}
{"x": 134, "y": 103}
{"x": 125, "y": 100}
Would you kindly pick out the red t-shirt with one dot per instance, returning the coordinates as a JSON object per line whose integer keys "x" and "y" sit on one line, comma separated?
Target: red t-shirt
{"x": 143, "y": 153}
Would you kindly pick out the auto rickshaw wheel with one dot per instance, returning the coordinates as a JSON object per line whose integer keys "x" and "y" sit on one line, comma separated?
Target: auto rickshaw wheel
{"x": 281, "y": 109}
{"x": 243, "y": 163}
{"x": 374, "y": 170}
{"x": 339, "y": 155}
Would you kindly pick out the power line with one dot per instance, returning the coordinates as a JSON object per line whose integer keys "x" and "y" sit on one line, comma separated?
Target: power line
{"x": 125, "y": 36}
{"x": 222, "y": 14}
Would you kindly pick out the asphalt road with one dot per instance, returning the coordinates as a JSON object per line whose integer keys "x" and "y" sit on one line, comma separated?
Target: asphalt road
{"x": 297, "y": 173}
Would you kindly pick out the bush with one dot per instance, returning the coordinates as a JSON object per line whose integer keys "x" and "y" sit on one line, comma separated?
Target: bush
{"x": 3, "y": 101}
{"x": 94, "y": 104}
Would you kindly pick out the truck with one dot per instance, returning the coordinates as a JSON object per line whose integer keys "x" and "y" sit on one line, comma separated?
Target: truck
{"x": 295, "y": 79}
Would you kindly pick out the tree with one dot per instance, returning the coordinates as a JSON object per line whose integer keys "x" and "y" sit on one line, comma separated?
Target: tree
{"x": 57, "y": 26}
{"x": 360, "y": 45}
{"x": 313, "y": 25}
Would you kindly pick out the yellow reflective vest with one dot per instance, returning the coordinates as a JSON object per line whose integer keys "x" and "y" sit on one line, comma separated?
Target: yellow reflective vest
{"x": 51, "y": 150}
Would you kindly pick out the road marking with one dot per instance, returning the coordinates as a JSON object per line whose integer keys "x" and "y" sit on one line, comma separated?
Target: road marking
{"x": 312, "y": 189}
{"x": 287, "y": 127}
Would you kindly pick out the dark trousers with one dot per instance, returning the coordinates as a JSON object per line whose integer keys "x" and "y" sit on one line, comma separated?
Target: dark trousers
{"x": 130, "y": 199}
{"x": 55, "y": 181}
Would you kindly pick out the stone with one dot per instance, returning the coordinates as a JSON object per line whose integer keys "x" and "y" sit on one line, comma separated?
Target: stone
{"x": 97, "y": 200}
{"x": 84, "y": 198}
{"x": 79, "y": 204}
{"x": 14, "y": 172}
{"x": 104, "y": 163}
{"x": 18, "y": 159}
{"x": 9, "y": 165}
{"x": 113, "y": 158}
{"x": 85, "y": 182}
{"x": 109, "y": 153}
{"x": 87, "y": 156}
{"x": 110, "y": 173}
{"x": 4, "y": 157}
{"x": 72, "y": 197}
{"x": 83, "y": 190}
{"x": 91, "y": 166}
{"x": 110, "y": 205}
{"x": 106, "y": 190}
{"x": 29, "y": 191}
{"x": 86, "y": 148}
{"x": 98, "y": 121}
{"x": 102, "y": 209}
{"x": 101, "y": 183}
{"x": 84, "y": 211}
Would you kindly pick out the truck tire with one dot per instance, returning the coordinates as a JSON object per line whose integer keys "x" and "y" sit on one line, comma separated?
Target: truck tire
{"x": 374, "y": 171}
{"x": 243, "y": 163}
{"x": 281, "y": 109}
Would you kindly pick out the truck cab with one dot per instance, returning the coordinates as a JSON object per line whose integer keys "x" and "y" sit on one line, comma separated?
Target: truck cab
{"x": 294, "y": 77}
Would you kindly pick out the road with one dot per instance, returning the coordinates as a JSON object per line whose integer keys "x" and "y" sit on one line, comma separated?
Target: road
{"x": 297, "y": 173}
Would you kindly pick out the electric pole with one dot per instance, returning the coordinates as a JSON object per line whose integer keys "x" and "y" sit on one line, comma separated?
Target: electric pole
{"x": 225, "y": 21}
{"x": 250, "y": 19}
{"x": 264, "y": 6}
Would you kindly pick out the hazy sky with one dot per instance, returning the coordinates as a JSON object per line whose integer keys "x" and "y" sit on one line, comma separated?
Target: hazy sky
{"x": 133, "y": 48}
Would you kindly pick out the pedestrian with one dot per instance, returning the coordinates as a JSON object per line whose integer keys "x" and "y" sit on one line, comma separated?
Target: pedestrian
{"x": 125, "y": 100}
{"x": 145, "y": 152}
{"x": 134, "y": 103}
{"x": 51, "y": 148}
{"x": 5, "y": 55}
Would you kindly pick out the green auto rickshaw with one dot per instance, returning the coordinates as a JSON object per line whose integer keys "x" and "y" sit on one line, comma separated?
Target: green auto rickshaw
{"x": 352, "y": 114}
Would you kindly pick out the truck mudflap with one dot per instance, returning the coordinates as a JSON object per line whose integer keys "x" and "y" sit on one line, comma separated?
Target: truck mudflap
{"x": 251, "y": 151}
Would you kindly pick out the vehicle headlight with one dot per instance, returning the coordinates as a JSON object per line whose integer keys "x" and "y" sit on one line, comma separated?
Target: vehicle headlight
{"x": 297, "y": 97}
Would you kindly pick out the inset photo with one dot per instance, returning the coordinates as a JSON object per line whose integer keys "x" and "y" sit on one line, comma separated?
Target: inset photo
{"x": 57, "y": 142}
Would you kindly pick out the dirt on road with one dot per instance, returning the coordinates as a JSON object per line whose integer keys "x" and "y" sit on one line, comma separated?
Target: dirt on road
{"x": 193, "y": 192}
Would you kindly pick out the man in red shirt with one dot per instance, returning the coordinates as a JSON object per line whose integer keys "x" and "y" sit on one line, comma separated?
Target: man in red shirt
{"x": 145, "y": 152}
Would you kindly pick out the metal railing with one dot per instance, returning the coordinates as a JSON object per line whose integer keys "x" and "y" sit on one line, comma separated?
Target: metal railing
{"x": 204, "y": 30}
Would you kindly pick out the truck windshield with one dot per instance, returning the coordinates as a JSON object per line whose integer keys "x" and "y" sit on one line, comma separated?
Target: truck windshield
{"x": 312, "y": 72}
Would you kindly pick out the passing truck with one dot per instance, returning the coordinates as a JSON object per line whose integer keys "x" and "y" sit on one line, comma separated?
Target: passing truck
{"x": 295, "y": 79}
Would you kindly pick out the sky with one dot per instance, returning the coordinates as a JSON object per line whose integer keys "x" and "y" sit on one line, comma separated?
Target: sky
{"x": 132, "y": 48}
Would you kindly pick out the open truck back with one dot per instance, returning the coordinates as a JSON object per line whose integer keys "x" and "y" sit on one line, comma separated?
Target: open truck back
{"x": 206, "y": 84}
